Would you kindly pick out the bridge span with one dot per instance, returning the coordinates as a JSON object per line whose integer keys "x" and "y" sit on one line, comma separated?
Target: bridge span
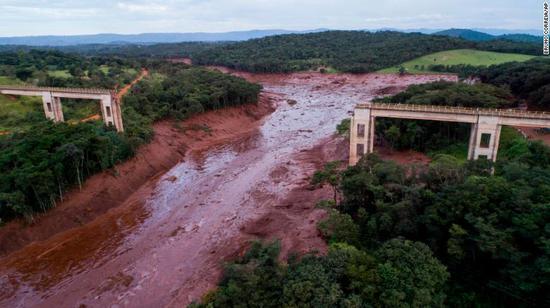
{"x": 51, "y": 99}
{"x": 484, "y": 137}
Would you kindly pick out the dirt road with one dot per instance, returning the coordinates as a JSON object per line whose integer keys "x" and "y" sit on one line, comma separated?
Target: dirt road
{"x": 144, "y": 72}
{"x": 163, "y": 245}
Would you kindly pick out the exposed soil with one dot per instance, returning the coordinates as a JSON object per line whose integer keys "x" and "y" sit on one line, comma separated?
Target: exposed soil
{"x": 150, "y": 238}
{"x": 535, "y": 134}
{"x": 144, "y": 72}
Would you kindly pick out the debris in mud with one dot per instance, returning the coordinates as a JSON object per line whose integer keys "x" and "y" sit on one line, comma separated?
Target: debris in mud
{"x": 291, "y": 102}
{"x": 387, "y": 90}
{"x": 172, "y": 178}
{"x": 120, "y": 280}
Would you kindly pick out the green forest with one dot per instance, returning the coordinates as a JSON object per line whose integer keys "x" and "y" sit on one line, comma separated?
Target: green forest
{"x": 528, "y": 80}
{"x": 39, "y": 163}
{"x": 346, "y": 51}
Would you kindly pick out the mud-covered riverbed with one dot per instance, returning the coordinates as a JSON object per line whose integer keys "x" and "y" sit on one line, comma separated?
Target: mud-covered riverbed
{"x": 164, "y": 245}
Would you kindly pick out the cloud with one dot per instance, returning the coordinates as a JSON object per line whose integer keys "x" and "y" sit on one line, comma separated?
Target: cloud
{"x": 48, "y": 12}
{"x": 33, "y": 17}
{"x": 151, "y": 8}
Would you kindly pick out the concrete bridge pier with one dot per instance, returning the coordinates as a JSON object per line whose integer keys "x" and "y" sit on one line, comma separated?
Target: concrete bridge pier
{"x": 361, "y": 134}
{"x": 110, "y": 111}
{"x": 484, "y": 138}
{"x": 52, "y": 107}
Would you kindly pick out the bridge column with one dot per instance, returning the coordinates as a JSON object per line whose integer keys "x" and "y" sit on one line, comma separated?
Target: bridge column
{"x": 52, "y": 107}
{"x": 58, "y": 109}
{"x": 484, "y": 138}
{"x": 361, "y": 135}
{"x": 110, "y": 110}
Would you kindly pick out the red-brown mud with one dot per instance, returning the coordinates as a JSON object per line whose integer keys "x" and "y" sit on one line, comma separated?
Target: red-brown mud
{"x": 535, "y": 134}
{"x": 160, "y": 237}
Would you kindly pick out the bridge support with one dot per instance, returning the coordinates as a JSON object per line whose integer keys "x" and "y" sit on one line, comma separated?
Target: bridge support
{"x": 484, "y": 138}
{"x": 111, "y": 113}
{"x": 362, "y": 127}
{"x": 52, "y": 107}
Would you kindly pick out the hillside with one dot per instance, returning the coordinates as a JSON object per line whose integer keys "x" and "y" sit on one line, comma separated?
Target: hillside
{"x": 350, "y": 51}
{"x": 457, "y": 57}
{"x": 478, "y": 36}
{"x": 347, "y": 51}
{"x": 466, "y": 34}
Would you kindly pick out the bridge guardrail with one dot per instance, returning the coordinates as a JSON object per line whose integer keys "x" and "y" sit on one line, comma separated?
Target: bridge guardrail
{"x": 457, "y": 110}
{"x": 54, "y": 89}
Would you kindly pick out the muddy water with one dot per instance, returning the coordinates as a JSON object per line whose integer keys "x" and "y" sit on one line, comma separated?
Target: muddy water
{"x": 164, "y": 245}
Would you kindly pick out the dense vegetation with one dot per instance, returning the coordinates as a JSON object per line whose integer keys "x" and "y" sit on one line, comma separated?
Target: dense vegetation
{"x": 450, "y": 234}
{"x": 57, "y": 69}
{"x": 39, "y": 163}
{"x": 349, "y": 51}
{"x": 180, "y": 91}
{"x": 527, "y": 80}
{"x": 472, "y": 35}
{"x": 435, "y": 135}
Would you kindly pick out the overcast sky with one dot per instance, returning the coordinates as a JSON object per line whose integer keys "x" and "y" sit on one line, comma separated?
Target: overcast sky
{"x": 38, "y": 17}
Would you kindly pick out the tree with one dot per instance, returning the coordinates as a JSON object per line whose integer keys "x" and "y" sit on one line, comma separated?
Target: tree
{"x": 402, "y": 70}
{"x": 410, "y": 275}
{"x": 329, "y": 175}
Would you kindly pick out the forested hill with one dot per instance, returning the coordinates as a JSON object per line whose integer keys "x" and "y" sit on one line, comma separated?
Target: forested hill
{"x": 348, "y": 51}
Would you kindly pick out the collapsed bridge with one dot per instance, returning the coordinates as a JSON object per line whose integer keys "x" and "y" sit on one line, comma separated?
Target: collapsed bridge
{"x": 51, "y": 98}
{"x": 484, "y": 137}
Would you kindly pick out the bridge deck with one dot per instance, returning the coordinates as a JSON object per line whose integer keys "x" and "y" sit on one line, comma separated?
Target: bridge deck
{"x": 514, "y": 113}
{"x": 59, "y": 90}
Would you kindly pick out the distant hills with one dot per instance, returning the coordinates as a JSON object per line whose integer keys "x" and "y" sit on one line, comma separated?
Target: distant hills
{"x": 156, "y": 38}
{"x": 478, "y": 36}
{"x": 144, "y": 38}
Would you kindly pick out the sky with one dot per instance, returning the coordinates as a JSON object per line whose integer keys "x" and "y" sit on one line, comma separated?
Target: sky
{"x": 69, "y": 17}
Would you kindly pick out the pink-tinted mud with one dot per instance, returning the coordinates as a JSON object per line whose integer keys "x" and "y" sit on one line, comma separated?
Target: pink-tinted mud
{"x": 166, "y": 243}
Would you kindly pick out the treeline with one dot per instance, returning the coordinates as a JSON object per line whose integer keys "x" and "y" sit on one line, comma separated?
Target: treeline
{"x": 40, "y": 164}
{"x": 181, "y": 91}
{"x": 451, "y": 234}
{"x": 38, "y": 67}
{"x": 528, "y": 80}
{"x": 435, "y": 135}
{"x": 348, "y": 51}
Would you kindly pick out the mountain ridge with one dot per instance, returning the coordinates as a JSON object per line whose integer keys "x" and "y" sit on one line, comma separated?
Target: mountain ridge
{"x": 177, "y": 37}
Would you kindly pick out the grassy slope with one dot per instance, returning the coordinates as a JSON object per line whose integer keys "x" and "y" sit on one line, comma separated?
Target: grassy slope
{"x": 459, "y": 56}
{"x": 4, "y": 80}
{"x": 13, "y": 111}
